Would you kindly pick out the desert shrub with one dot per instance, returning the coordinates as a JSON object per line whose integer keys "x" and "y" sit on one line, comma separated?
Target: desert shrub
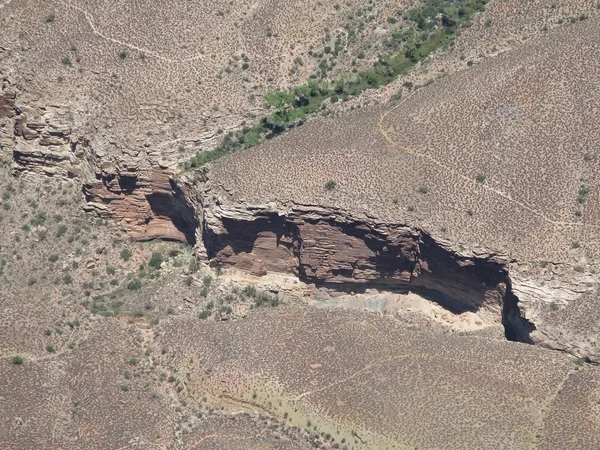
{"x": 126, "y": 254}
{"x": 50, "y": 18}
{"x": 264, "y": 299}
{"x": 330, "y": 185}
{"x": 249, "y": 291}
{"x": 16, "y": 360}
{"x": 50, "y": 349}
{"x": 62, "y": 229}
{"x": 134, "y": 284}
{"x": 156, "y": 260}
{"x": 582, "y": 193}
{"x": 480, "y": 178}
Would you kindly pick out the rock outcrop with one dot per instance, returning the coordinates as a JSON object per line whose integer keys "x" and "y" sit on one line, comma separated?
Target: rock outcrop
{"x": 351, "y": 252}
{"x": 333, "y": 249}
{"x": 144, "y": 198}
{"x": 328, "y": 247}
{"x": 151, "y": 205}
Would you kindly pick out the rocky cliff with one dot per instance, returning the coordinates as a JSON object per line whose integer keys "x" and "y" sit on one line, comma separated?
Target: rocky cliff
{"x": 135, "y": 191}
{"x": 328, "y": 247}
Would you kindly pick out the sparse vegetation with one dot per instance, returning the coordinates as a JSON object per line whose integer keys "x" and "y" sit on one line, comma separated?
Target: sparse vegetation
{"x": 582, "y": 193}
{"x": 435, "y": 25}
{"x": 126, "y": 254}
{"x": 134, "y": 284}
{"x": 156, "y": 260}
{"x": 330, "y": 185}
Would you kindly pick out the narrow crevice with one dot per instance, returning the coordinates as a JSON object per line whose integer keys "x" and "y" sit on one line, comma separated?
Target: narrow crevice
{"x": 516, "y": 327}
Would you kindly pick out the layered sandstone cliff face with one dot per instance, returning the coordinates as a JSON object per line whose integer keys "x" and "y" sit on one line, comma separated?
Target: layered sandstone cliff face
{"x": 348, "y": 251}
{"x": 327, "y": 247}
{"x": 140, "y": 194}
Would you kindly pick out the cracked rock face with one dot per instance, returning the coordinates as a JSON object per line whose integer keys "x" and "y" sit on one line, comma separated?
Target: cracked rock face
{"x": 333, "y": 248}
{"x": 321, "y": 245}
{"x": 326, "y": 246}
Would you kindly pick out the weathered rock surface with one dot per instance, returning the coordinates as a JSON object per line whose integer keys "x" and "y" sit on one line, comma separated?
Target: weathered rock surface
{"x": 150, "y": 204}
{"x": 141, "y": 195}
{"x": 352, "y": 252}
{"x": 328, "y": 247}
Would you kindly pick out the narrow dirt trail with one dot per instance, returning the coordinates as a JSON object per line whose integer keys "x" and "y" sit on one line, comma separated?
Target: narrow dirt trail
{"x": 90, "y": 19}
{"x": 385, "y": 132}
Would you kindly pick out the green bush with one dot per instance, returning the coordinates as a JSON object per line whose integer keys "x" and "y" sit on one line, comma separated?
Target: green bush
{"x": 582, "y": 193}
{"x": 156, "y": 260}
{"x": 330, "y": 185}
{"x": 62, "y": 229}
{"x": 126, "y": 254}
{"x": 134, "y": 284}
{"x": 16, "y": 360}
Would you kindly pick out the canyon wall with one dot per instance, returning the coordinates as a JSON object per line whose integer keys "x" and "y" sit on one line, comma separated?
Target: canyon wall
{"x": 332, "y": 249}
{"x": 323, "y": 246}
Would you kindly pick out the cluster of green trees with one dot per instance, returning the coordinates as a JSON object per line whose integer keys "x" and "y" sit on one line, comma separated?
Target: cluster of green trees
{"x": 435, "y": 24}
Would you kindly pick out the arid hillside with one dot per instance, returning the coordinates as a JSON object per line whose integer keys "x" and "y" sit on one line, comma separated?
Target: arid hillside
{"x": 500, "y": 158}
{"x": 299, "y": 224}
